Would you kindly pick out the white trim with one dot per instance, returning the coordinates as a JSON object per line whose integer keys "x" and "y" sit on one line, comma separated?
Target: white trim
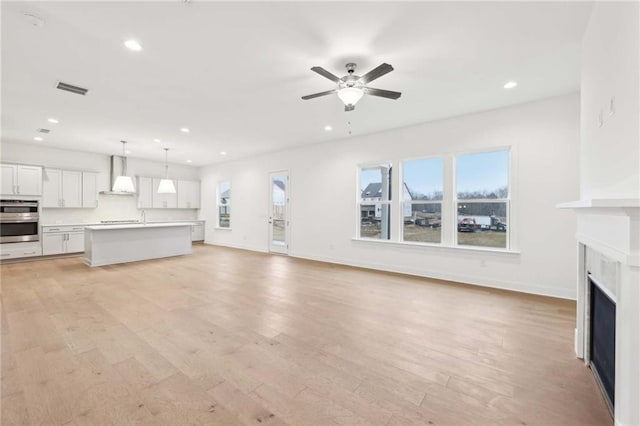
{"x": 219, "y": 228}
{"x": 414, "y": 244}
{"x": 564, "y": 293}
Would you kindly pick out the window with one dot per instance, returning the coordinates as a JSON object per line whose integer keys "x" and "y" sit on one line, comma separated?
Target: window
{"x": 374, "y": 201}
{"x": 422, "y": 200}
{"x": 224, "y": 204}
{"x": 482, "y": 204}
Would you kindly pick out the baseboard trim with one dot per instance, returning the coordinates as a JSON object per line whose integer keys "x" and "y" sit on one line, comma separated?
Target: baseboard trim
{"x": 458, "y": 278}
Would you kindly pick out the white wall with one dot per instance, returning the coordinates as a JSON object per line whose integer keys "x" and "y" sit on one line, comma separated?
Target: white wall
{"x": 610, "y": 155}
{"x": 544, "y": 137}
{"x": 110, "y": 207}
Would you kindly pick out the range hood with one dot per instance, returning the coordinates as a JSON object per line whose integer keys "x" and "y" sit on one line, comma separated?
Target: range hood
{"x": 117, "y": 164}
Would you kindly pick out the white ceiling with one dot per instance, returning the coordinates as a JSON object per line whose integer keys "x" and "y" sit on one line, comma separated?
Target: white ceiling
{"x": 234, "y": 72}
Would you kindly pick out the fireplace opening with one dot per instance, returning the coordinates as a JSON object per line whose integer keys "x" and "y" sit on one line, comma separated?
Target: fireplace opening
{"x": 603, "y": 340}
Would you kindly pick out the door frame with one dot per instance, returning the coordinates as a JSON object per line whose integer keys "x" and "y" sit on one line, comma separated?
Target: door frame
{"x": 277, "y": 248}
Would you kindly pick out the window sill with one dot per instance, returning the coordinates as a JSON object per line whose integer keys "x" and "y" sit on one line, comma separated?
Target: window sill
{"x": 407, "y": 244}
{"x": 219, "y": 228}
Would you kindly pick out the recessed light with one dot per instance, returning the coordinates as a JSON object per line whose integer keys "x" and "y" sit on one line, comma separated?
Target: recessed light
{"x": 133, "y": 45}
{"x": 328, "y": 128}
{"x": 510, "y": 85}
{"x": 157, "y": 140}
{"x": 189, "y": 161}
{"x": 184, "y": 130}
{"x": 223, "y": 153}
{"x": 38, "y": 138}
{"x": 52, "y": 120}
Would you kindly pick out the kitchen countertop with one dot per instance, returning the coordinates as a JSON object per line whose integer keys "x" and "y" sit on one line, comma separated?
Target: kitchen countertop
{"x": 108, "y": 227}
{"x": 130, "y": 223}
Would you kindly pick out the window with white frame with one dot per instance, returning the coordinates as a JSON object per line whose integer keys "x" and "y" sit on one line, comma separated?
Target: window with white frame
{"x": 422, "y": 189}
{"x": 482, "y": 199}
{"x": 374, "y": 201}
{"x": 224, "y": 204}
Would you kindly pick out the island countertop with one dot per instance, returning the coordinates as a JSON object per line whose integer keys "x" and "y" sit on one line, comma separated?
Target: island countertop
{"x": 108, "y": 227}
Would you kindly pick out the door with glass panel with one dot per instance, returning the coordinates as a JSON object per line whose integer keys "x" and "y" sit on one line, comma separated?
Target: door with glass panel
{"x": 279, "y": 212}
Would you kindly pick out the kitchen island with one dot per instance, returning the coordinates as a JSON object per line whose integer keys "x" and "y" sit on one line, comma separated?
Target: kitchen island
{"x": 110, "y": 244}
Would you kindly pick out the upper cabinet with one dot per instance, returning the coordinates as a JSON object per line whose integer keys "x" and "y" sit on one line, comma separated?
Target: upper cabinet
{"x": 163, "y": 201}
{"x": 145, "y": 192}
{"x": 20, "y": 179}
{"x": 89, "y": 189}
{"x": 69, "y": 189}
{"x": 188, "y": 194}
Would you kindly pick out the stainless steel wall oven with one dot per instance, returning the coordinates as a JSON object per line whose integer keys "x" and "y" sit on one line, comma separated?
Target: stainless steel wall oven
{"x": 19, "y": 221}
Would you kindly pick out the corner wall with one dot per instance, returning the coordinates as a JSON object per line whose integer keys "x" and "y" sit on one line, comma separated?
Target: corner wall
{"x": 544, "y": 137}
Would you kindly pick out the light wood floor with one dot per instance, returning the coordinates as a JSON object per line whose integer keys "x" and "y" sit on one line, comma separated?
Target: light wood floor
{"x": 233, "y": 337}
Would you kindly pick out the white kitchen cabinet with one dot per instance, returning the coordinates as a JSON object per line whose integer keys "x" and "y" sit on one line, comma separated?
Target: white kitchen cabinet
{"x": 53, "y": 243}
{"x": 89, "y": 190}
{"x": 52, "y": 188}
{"x": 163, "y": 201}
{"x": 9, "y": 176}
{"x": 75, "y": 242}
{"x": 62, "y": 239}
{"x": 71, "y": 189}
{"x": 145, "y": 192}
{"x": 62, "y": 188}
{"x": 197, "y": 231}
{"x": 20, "y": 250}
{"x": 18, "y": 179}
{"x": 188, "y": 194}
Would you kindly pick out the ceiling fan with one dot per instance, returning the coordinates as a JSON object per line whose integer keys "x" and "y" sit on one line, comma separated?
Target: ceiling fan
{"x": 352, "y": 87}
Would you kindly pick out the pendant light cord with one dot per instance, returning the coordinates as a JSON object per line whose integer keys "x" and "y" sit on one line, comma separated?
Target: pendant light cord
{"x": 166, "y": 163}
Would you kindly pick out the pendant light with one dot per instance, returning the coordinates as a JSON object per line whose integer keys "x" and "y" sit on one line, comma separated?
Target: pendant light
{"x": 166, "y": 185}
{"x": 123, "y": 183}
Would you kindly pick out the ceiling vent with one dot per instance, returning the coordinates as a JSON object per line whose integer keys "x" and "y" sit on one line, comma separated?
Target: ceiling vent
{"x": 43, "y": 130}
{"x": 71, "y": 88}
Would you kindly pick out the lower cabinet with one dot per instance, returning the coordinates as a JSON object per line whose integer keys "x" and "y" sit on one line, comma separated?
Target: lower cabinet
{"x": 20, "y": 250}
{"x": 197, "y": 231}
{"x": 60, "y": 240}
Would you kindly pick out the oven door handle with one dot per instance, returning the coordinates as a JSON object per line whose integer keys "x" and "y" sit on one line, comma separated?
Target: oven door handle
{"x": 19, "y": 221}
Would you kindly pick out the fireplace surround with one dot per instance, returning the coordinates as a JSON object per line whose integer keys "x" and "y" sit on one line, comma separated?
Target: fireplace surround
{"x": 608, "y": 237}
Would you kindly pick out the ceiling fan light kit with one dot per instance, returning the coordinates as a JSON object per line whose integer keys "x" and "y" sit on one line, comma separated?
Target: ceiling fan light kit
{"x": 351, "y": 87}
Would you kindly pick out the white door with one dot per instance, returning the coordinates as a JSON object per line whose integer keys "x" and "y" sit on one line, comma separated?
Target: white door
{"x": 89, "y": 190}
{"x": 71, "y": 189}
{"x": 8, "y": 179}
{"x": 29, "y": 180}
{"x": 279, "y": 212}
{"x": 52, "y": 188}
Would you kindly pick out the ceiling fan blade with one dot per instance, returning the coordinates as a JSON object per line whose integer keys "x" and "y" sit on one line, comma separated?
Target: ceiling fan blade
{"x": 317, "y": 95}
{"x": 349, "y": 107}
{"x": 377, "y": 72}
{"x": 325, "y": 74}
{"x": 382, "y": 93}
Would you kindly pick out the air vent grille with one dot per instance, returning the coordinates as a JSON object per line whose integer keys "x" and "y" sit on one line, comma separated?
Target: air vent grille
{"x": 43, "y": 130}
{"x": 71, "y": 88}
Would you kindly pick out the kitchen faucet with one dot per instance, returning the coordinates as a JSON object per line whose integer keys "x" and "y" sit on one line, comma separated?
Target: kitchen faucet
{"x": 144, "y": 217}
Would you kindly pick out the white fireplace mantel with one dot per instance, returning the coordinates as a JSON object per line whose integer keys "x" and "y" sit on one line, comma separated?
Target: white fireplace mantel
{"x": 611, "y": 227}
